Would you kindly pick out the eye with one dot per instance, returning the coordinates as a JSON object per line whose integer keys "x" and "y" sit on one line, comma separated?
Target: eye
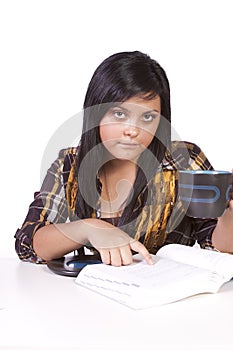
{"x": 119, "y": 115}
{"x": 149, "y": 117}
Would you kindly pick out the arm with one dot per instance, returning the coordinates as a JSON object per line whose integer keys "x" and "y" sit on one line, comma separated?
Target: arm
{"x": 46, "y": 234}
{"x": 114, "y": 245}
{"x": 222, "y": 238}
{"x": 210, "y": 233}
{"x": 191, "y": 157}
{"x": 48, "y": 207}
{"x": 222, "y": 233}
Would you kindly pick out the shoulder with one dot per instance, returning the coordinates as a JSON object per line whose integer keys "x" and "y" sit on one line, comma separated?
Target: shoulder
{"x": 68, "y": 156}
{"x": 65, "y": 161}
{"x": 186, "y": 155}
{"x": 191, "y": 148}
{"x": 68, "y": 152}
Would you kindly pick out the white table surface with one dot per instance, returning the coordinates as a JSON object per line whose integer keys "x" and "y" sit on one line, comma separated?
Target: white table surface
{"x": 42, "y": 310}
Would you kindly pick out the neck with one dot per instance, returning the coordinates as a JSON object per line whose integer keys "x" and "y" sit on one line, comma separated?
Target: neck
{"x": 117, "y": 179}
{"x": 120, "y": 167}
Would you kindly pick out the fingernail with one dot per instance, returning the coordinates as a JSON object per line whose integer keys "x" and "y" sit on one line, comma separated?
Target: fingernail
{"x": 151, "y": 261}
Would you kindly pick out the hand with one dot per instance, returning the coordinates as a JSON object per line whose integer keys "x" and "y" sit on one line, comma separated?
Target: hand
{"x": 232, "y": 185}
{"x": 114, "y": 245}
{"x": 231, "y": 200}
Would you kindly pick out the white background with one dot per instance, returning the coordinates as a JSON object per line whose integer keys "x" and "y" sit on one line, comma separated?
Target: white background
{"x": 50, "y": 49}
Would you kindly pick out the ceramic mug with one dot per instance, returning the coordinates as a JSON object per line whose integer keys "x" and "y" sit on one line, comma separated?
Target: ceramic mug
{"x": 205, "y": 193}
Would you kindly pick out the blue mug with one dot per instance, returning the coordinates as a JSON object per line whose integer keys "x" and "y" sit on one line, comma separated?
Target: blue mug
{"x": 204, "y": 193}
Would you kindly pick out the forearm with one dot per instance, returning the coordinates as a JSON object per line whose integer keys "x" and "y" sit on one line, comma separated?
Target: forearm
{"x": 222, "y": 238}
{"x": 55, "y": 240}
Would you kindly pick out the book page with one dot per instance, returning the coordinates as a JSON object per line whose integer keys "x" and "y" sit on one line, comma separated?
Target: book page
{"x": 171, "y": 281}
{"x": 222, "y": 263}
{"x": 141, "y": 285}
{"x": 164, "y": 272}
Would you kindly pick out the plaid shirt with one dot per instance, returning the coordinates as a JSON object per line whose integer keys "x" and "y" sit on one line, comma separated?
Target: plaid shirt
{"x": 161, "y": 221}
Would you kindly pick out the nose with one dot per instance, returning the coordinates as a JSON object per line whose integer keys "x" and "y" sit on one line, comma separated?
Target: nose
{"x": 131, "y": 130}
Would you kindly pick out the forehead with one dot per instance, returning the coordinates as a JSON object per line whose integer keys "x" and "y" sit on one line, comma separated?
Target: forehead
{"x": 140, "y": 103}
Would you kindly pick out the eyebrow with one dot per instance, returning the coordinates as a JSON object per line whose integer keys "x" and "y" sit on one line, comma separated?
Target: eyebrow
{"x": 125, "y": 109}
{"x": 152, "y": 110}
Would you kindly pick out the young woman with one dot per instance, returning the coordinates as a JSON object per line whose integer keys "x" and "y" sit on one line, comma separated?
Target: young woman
{"x": 117, "y": 191}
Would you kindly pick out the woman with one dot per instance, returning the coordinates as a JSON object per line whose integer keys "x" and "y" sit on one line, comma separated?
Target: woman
{"x": 117, "y": 191}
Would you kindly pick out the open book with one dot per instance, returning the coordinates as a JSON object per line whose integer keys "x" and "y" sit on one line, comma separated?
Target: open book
{"x": 179, "y": 272}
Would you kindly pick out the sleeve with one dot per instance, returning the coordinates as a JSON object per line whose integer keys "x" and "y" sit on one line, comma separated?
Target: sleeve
{"x": 187, "y": 155}
{"x": 190, "y": 230}
{"x": 49, "y": 206}
{"x": 203, "y": 228}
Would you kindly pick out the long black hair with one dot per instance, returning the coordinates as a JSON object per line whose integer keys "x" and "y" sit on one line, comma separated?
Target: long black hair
{"x": 118, "y": 78}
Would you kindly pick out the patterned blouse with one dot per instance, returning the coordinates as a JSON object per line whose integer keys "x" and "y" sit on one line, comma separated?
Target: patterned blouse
{"x": 161, "y": 221}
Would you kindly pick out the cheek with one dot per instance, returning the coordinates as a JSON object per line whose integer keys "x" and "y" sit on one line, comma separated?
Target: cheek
{"x": 146, "y": 138}
{"x": 147, "y": 134}
{"x": 109, "y": 132}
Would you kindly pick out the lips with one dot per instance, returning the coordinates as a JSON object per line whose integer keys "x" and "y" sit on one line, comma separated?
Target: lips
{"x": 129, "y": 145}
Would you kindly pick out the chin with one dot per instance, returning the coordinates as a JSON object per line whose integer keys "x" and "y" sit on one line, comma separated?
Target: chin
{"x": 129, "y": 158}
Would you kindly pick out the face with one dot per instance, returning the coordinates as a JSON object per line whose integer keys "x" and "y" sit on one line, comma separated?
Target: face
{"x": 128, "y": 128}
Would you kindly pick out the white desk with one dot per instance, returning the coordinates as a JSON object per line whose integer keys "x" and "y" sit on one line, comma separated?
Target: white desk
{"x": 42, "y": 310}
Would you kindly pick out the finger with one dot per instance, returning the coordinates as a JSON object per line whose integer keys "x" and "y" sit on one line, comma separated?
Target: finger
{"x": 115, "y": 257}
{"x": 105, "y": 256}
{"x": 141, "y": 249}
{"x": 231, "y": 189}
{"x": 126, "y": 255}
{"x": 231, "y": 204}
